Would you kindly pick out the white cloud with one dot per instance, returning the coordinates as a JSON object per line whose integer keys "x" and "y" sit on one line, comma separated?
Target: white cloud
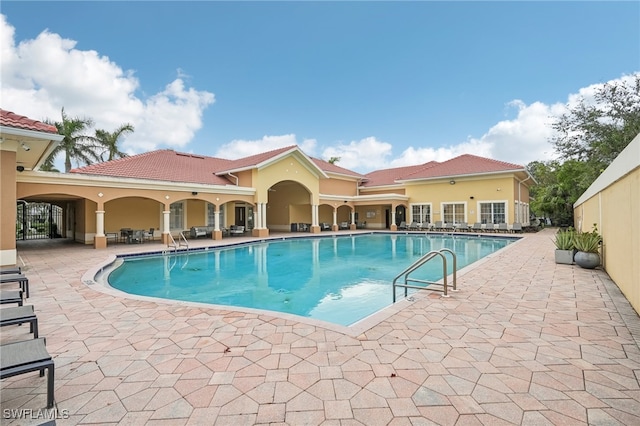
{"x": 364, "y": 155}
{"x": 239, "y": 148}
{"x": 45, "y": 74}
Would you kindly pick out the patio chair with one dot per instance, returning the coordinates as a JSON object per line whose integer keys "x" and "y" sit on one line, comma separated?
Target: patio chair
{"x": 196, "y": 232}
{"x": 148, "y": 236}
{"x": 344, "y": 225}
{"x": 19, "y": 279}
{"x": 413, "y": 226}
{"x": 137, "y": 236}
{"x": 324, "y": 226}
{"x": 27, "y": 356}
{"x": 10, "y": 270}
{"x": 438, "y": 225}
{"x": 236, "y": 230}
{"x": 502, "y": 227}
{"x": 403, "y": 225}
{"x": 11, "y": 296}
{"x": 477, "y": 227}
{"x": 516, "y": 227}
{"x": 19, "y": 315}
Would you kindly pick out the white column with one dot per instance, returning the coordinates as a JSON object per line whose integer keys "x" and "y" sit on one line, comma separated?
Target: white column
{"x": 393, "y": 216}
{"x": 165, "y": 222}
{"x": 264, "y": 215}
{"x": 335, "y": 216}
{"x": 314, "y": 215}
{"x": 216, "y": 219}
{"x": 100, "y": 223}
{"x": 353, "y": 216}
{"x": 258, "y": 213}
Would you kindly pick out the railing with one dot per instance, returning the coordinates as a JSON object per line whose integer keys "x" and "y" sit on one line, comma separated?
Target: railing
{"x": 176, "y": 245}
{"x": 429, "y": 285}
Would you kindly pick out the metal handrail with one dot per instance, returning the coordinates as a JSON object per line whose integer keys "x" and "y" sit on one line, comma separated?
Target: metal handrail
{"x": 172, "y": 243}
{"x": 420, "y": 262}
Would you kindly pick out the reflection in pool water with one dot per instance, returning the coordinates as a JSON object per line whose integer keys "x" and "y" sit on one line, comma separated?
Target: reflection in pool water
{"x": 338, "y": 279}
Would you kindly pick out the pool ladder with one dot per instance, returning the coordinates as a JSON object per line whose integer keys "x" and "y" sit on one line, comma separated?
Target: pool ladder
{"x": 430, "y": 285}
{"x": 182, "y": 241}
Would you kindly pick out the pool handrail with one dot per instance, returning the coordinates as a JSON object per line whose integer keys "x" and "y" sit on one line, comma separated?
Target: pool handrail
{"x": 417, "y": 264}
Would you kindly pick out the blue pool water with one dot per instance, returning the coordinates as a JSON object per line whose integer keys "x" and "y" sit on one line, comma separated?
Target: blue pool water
{"x": 338, "y": 279}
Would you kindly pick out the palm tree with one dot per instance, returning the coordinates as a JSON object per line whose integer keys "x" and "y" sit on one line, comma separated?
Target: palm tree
{"x": 75, "y": 145}
{"x": 109, "y": 141}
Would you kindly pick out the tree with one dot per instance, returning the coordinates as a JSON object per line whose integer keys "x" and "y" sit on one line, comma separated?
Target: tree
{"x": 333, "y": 160}
{"x": 558, "y": 187}
{"x": 75, "y": 145}
{"x": 597, "y": 132}
{"x": 109, "y": 140}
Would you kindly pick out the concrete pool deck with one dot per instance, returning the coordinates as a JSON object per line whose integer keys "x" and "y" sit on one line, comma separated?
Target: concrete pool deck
{"x": 524, "y": 341}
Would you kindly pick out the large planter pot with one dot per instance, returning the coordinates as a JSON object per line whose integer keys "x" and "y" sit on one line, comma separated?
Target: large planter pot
{"x": 564, "y": 257}
{"x": 587, "y": 260}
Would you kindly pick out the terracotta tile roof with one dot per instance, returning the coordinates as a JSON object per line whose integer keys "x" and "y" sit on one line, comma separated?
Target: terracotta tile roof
{"x": 391, "y": 176}
{"x": 164, "y": 165}
{"x": 332, "y": 168}
{"x": 462, "y": 165}
{"x": 254, "y": 160}
{"x": 10, "y": 119}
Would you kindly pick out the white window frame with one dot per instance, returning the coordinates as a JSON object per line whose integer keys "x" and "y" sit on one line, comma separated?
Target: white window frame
{"x": 505, "y": 203}
{"x": 454, "y": 204}
{"x": 421, "y": 207}
{"x": 177, "y": 219}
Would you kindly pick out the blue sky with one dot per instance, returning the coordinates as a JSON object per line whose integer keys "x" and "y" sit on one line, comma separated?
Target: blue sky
{"x": 378, "y": 84}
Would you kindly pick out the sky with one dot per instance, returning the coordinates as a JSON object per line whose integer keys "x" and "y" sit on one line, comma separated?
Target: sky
{"x": 376, "y": 84}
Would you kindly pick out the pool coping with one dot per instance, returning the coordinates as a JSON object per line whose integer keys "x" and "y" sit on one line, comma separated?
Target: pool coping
{"x": 92, "y": 278}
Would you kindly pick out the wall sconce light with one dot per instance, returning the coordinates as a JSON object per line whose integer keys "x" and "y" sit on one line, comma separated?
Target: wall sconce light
{"x": 471, "y": 198}
{"x": 452, "y": 182}
{"x": 499, "y": 189}
{"x": 217, "y": 198}
{"x": 20, "y": 168}
{"x": 166, "y": 197}
{"x": 25, "y": 146}
{"x": 100, "y": 194}
{"x": 194, "y": 193}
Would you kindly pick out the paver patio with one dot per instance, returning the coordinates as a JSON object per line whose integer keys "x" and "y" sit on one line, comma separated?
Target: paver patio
{"x": 524, "y": 341}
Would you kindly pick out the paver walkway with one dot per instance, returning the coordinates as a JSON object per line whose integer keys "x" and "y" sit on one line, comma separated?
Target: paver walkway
{"x": 524, "y": 341}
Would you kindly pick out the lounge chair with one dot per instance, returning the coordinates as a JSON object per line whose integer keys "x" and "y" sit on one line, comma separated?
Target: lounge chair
{"x": 462, "y": 226}
{"x": 502, "y": 227}
{"x": 19, "y": 315}
{"x": 10, "y": 270}
{"x": 27, "y": 356}
{"x": 236, "y": 230}
{"x": 19, "y": 279}
{"x": 516, "y": 227}
{"x": 477, "y": 227}
{"x": 438, "y": 225}
{"x": 403, "y": 225}
{"x": 196, "y": 232}
{"x": 11, "y": 296}
{"x": 413, "y": 226}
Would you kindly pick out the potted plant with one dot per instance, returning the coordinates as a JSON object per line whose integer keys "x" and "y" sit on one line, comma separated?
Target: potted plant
{"x": 564, "y": 246}
{"x": 588, "y": 246}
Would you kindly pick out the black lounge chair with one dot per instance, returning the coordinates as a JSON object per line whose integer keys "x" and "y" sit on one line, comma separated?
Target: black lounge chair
{"x": 27, "y": 356}
{"x": 11, "y": 270}
{"x": 22, "y": 281}
{"x": 11, "y": 296}
{"x": 19, "y": 315}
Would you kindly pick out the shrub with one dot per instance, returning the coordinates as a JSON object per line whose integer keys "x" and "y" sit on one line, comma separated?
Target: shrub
{"x": 588, "y": 242}
{"x": 565, "y": 239}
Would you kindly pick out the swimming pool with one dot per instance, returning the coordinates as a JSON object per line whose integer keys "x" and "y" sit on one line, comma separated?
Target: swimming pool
{"x": 340, "y": 279}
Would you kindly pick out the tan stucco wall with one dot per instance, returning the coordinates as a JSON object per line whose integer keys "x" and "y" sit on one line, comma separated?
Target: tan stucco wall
{"x": 118, "y": 214}
{"x": 7, "y": 207}
{"x": 289, "y": 168}
{"x": 336, "y": 186}
{"x": 616, "y": 210}
{"x": 487, "y": 189}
